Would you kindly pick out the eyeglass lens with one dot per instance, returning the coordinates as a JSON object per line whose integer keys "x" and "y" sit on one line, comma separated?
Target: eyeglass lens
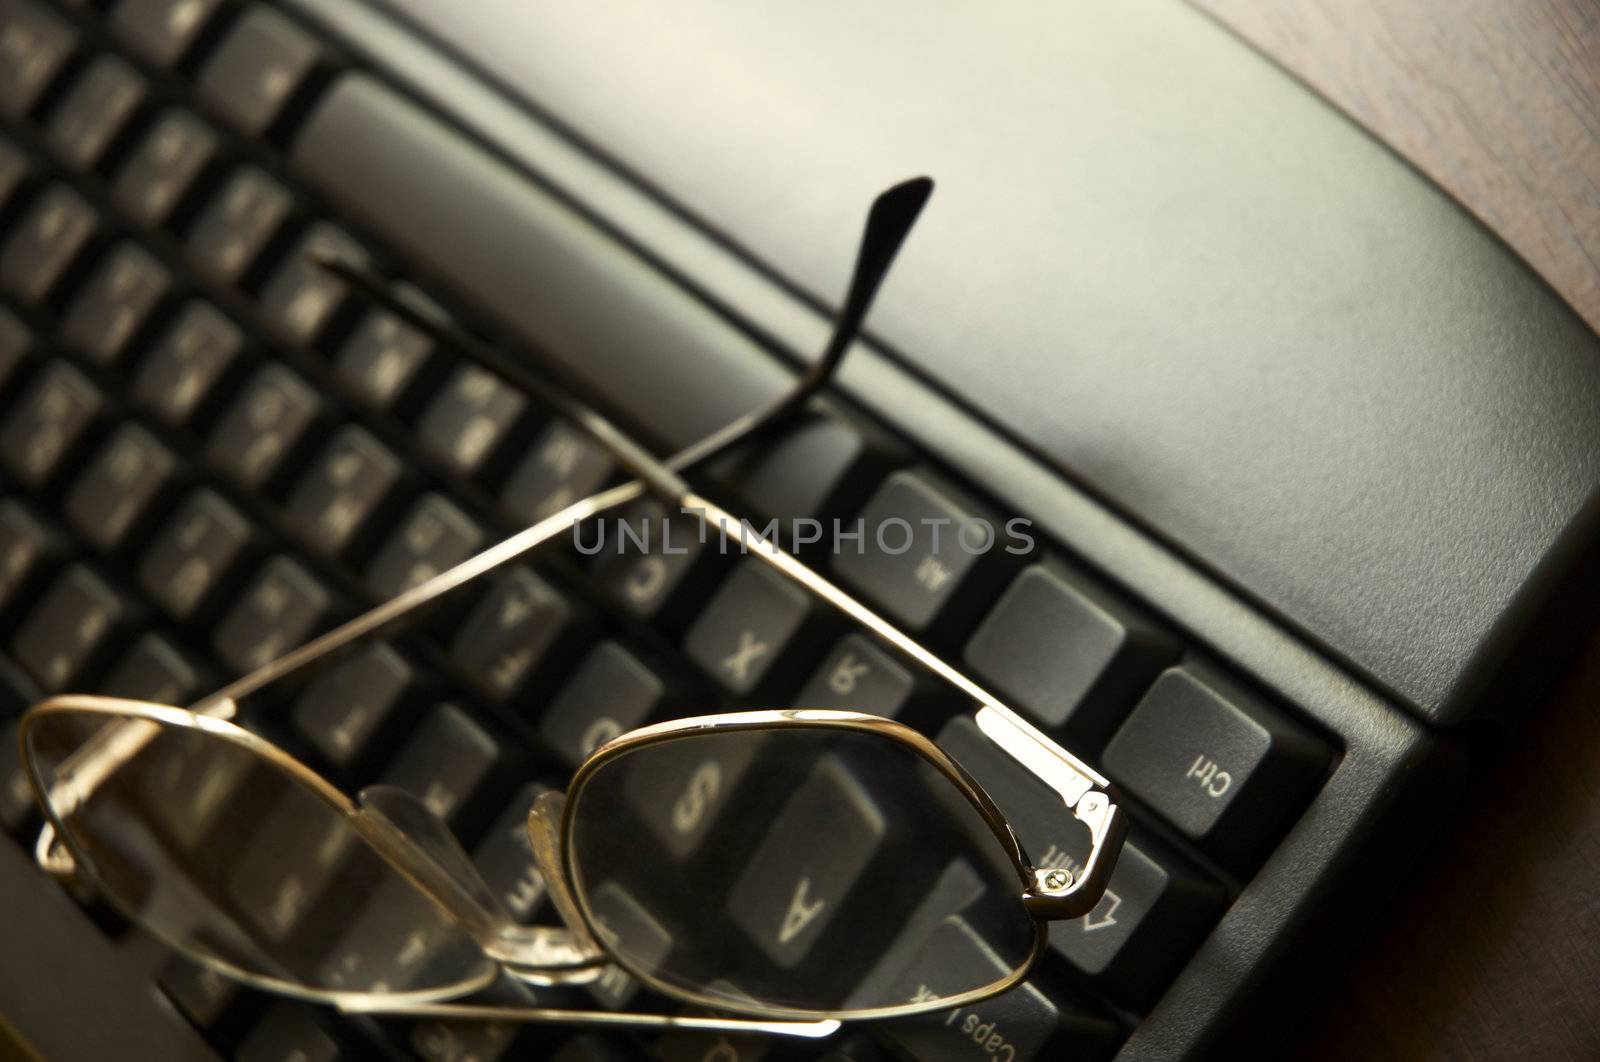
{"x": 234, "y": 860}
{"x": 808, "y": 869}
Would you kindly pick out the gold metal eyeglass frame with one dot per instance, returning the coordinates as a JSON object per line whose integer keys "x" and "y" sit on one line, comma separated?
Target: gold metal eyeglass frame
{"x": 421, "y": 849}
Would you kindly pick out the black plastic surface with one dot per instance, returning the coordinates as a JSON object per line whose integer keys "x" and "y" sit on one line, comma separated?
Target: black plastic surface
{"x": 1158, "y": 262}
{"x": 68, "y": 992}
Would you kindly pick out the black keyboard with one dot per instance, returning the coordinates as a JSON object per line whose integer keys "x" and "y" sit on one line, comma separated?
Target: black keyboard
{"x": 211, "y": 450}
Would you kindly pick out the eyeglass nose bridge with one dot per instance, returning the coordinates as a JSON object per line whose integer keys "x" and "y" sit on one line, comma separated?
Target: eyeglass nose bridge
{"x": 421, "y": 847}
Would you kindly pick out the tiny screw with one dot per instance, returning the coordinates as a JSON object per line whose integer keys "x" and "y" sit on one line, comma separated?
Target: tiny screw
{"x": 1056, "y": 879}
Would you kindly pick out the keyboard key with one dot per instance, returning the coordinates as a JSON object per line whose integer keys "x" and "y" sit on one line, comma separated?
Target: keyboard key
{"x": 610, "y": 694}
{"x": 618, "y": 916}
{"x": 201, "y": 993}
{"x": 161, "y": 31}
{"x": 51, "y": 419}
{"x": 74, "y": 624}
{"x": 1153, "y": 913}
{"x": 860, "y": 677}
{"x": 34, "y": 45}
{"x": 821, "y": 467}
{"x": 121, "y": 486}
{"x": 1155, "y": 908}
{"x": 382, "y": 359}
{"x": 236, "y": 225}
{"x": 114, "y": 303}
{"x": 393, "y": 940}
{"x": 282, "y": 608}
{"x": 435, "y": 537}
{"x": 659, "y": 570}
{"x": 1066, "y": 651}
{"x": 919, "y": 545}
{"x": 270, "y": 416}
{"x": 163, "y": 166}
{"x": 471, "y": 419}
{"x": 689, "y": 784}
{"x": 563, "y": 466}
{"x": 955, "y": 889}
{"x": 193, "y": 556}
{"x": 153, "y": 671}
{"x": 350, "y": 702}
{"x": 57, "y": 226}
{"x": 343, "y": 489}
{"x": 291, "y": 860}
{"x": 1021, "y": 1024}
{"x": 27, "y": 550}
{"x": 520, "y": 621}
{"x": 505, "y": 858}
{"x": 301, "y": 296}
{"x": 94, "y": 112}
{"x": 446, "y": 761}
{"x": 188, "y": 363}
{"x": 287, "y": 1034}
{"x": 756, "y": 619}
{"x": 261, "y": 63}
{"x": 1224, "y": 769}
{"x": 816, "y": 849}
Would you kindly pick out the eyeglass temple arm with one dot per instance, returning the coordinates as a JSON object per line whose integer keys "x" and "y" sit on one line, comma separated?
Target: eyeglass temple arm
{"x": 809, "y": 1030}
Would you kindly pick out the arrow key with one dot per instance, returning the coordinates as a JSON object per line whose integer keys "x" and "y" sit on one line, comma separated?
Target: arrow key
{"x": 1155, "y": 907}
{"x": 1152, "y": 914}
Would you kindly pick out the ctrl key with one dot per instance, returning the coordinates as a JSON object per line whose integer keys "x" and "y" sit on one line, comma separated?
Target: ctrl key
{"x": 1224, "y": 769}
{"x": 1023, "y": 1023}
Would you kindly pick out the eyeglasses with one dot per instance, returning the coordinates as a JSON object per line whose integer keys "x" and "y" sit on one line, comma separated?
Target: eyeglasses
{"x": 916, "y": 896}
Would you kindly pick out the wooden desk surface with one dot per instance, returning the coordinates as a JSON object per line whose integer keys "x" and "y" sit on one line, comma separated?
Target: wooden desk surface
{"x": 1497, "y": 100}
{"x": 1492, "y": 950}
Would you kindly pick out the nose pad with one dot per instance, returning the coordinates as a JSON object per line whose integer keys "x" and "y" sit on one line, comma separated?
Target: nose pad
{"x": 413, "y": 819}
{"x": 544, "y": 837}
